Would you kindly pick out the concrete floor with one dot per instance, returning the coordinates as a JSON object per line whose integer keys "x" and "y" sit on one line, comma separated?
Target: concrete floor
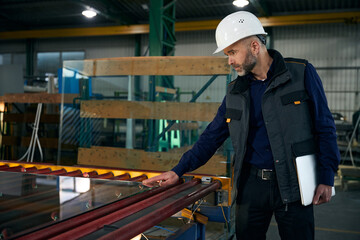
{"x": 336, "y": 220}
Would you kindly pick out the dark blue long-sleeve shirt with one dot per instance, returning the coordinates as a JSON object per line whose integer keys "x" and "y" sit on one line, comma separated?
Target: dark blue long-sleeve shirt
{"x": 258, "y": 149}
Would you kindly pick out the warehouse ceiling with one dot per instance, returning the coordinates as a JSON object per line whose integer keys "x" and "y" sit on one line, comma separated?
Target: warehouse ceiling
{"x": 18, "y": 15}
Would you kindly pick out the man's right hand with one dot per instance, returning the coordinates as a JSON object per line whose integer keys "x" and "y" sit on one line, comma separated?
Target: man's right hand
{"x": 164, "y": 179}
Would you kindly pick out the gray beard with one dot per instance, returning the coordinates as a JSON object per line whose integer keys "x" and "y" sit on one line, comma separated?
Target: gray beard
{"x": 249, "y": 64}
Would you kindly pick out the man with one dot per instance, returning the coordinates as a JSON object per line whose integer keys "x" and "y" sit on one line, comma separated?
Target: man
{"x": 274, "y": 111}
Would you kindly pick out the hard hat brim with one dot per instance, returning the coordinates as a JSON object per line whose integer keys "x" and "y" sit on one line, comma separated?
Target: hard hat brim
{"x": 219, "y": 49}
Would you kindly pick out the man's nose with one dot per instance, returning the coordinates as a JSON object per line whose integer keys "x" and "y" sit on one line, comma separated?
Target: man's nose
{"x": 230, "y": 60}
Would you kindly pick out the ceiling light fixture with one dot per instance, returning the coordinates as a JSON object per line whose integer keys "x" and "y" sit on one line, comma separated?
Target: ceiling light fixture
{"x": 89, "y": 13}
{"x": 241, "y": 3}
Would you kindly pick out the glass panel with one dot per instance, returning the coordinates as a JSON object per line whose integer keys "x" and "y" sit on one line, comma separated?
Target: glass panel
{"x": 20, "y": 58}
{"x": 5, "y": 59}
{"x": 72, "y": 56}
{"x": 48, "y": 62}
{"x": 29, "y": 200}
{"x": 114, "y": 115}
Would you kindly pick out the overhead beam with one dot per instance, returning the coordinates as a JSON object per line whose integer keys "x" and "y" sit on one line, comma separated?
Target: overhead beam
{"x": 77, "y": 32}
{"x": 261, "y": 7}
{"x": 273, "y": 21}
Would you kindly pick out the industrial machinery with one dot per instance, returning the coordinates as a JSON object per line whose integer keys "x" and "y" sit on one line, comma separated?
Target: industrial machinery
{"x": 44, "y": 201}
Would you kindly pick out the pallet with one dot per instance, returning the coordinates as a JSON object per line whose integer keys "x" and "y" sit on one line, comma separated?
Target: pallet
{"x": 348, "y": 173}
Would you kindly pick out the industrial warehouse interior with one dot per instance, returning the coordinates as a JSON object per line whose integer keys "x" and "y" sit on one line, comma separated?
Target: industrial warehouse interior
{"x": 97, "y": 96}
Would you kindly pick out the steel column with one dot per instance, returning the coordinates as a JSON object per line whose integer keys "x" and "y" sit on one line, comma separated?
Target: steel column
{"x": 161, "y": 43}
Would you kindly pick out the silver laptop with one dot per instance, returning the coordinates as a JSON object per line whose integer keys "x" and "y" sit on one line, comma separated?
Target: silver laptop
{"x": 306, "y": 170}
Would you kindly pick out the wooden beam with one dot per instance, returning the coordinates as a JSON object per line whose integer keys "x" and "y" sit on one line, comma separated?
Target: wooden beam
{"x": 273, "y": 21}
{"x": 30, "y": 117}
{"x": 139, "y": 159}
{"x": 169, "y": 65}
{"x": 148, "y": 110}
{"x": 165, "y": 90}
{"x": 185, "y": 126}
{"x": 10, "y": 141}
{"x": 44, "y": 142}
{"x": 37, "y": 98}
{"x": 25, "y": 141}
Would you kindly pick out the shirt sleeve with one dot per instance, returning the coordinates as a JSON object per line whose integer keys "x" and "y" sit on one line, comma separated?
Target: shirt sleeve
{"x": 210, "y": 140}
{"x": 325, "y": 132}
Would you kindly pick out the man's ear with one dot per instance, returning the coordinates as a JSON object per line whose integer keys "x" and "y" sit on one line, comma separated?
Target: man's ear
{"x": 255, "y": 47}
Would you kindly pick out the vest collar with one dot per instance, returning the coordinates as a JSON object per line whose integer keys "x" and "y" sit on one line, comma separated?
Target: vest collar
{"x": 280, "y": 76}
{"x": 281, "y": 73}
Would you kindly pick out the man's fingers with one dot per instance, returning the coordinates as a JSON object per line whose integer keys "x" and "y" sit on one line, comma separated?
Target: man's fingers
{"x": 151, "y": 181}
{"x": 322, "y": 195}
{"x": 157, "y": 180}
{"x": 316, "y": 198}
{"x": 163, "y": 179}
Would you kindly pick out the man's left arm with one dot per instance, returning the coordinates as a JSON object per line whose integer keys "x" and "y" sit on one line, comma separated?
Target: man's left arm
{"x": 328, "y": 155}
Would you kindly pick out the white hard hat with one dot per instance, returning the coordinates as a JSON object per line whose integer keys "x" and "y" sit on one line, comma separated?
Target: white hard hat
{"x": 236, "y": 26}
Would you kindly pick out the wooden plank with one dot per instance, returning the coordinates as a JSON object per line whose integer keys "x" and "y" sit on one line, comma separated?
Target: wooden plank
{"x": 139, "y": 159}
{"x": 180, "y": 150}
{"x": 169, "y": 65}
{"x": 350, "y": 171}
{"x": 185, "y": 126}
{"x": 148, "y": 110}
{"x": 10, "y": 140}
{"x": 44, "y": 142}
{"x": 25, "y": 141}
{"x": 165, "y": 90}
{"x": 30, "y": 117}
{"x": 37, "y": 98}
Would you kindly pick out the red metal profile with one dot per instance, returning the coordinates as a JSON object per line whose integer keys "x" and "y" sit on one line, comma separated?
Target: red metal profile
{"x": 76, "y": 173}
{"x": 57, "y": 172}
{"x": 121, "y": 177}
{"x": 90, "y": 227}
{"x": 138, "y": 178}
{"x": 30, "y": 169}
{"x": 4, "y": 166}
{"x": 40, "y": 171}
{"x": 90, "y": 174}
{"x": 104, "y": 176}
{"x": 141, "y": 224}
{"x": 12, "y": 169}
{"x": 66, "y": 225}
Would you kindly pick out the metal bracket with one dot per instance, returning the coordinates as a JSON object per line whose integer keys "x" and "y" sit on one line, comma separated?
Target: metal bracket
{"x": 219, "y": 197}
{"x": 206, "y": 180}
